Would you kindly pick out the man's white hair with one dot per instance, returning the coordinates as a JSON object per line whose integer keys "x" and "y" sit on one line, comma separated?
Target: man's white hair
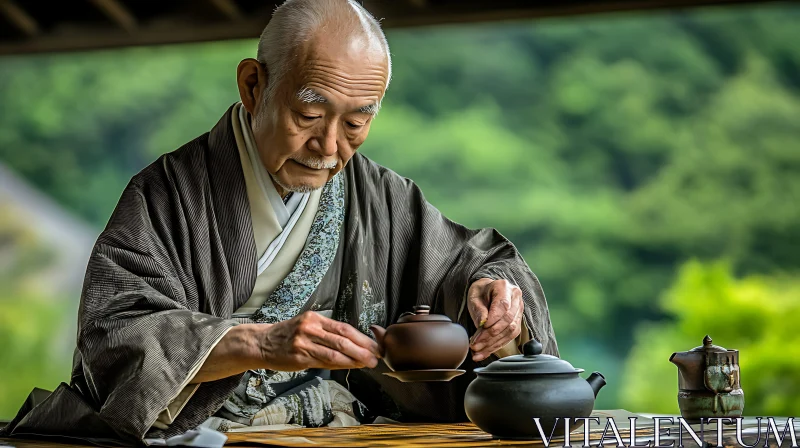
{"x": 296, "y": 21}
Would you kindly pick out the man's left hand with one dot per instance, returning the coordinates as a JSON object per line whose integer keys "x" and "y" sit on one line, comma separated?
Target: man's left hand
{"x": 496, "y": 308}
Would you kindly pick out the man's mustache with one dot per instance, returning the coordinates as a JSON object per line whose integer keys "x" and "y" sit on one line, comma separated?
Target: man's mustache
{"x": 316, "y": 163}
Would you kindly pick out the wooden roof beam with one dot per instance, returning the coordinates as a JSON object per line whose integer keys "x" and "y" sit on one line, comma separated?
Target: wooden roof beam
{"x": 103, "y": 38}
{"x": 115, "y": 11}
{"x": 19, "y": 18}
{"x": 229, "y": 8}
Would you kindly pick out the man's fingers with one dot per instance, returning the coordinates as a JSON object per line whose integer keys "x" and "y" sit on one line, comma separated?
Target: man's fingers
{"x": 340, "y": 337}
{"x": 329, "y": 358}
{"x": 511, "y": 332}
{"x": 477, "y": 302}
{"x": 308, "y": 354}
{"x": 482, "y": 343}
{"x": 517, "y": 306}
{"x": 490, "y": 334}
{"x": 346, "y": 347}
{"x": 350, "y": 333}
{"x": 502, "y": 332}
{"x": 478, "y": 336}
{"x": 500, "y": 295}
{"x": 310, "y": 320}
{"x": 514, "y": 314}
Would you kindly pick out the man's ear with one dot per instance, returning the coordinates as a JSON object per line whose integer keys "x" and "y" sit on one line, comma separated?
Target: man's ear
{"x": 252, "y": 79}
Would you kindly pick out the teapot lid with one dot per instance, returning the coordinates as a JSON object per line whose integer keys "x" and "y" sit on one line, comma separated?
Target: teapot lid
{"x": 532, "y": 361}
{"x": 422, "y": 313}
{"x": 709, "y": 347}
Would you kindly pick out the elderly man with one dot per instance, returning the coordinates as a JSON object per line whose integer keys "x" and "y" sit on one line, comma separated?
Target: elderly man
{"x": 238, "y": 276}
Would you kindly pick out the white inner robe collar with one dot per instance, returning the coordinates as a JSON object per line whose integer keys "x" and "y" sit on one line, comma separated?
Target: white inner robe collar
{"x": 286, "y": 213}
{"x": 283, "y": 211}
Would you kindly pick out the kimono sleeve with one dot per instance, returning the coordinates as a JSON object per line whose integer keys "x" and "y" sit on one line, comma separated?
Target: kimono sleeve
{"x": 140, "y": 336}
{"x": 448, "y": 257}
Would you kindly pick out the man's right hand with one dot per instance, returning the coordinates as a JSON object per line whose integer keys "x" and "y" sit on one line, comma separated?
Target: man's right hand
{"x": 307, "y": 341}
{"x": 311, "y": 340}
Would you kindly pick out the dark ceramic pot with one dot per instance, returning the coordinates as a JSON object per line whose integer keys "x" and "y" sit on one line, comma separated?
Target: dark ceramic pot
{"x": 509, "y": 393}
{"x": 422, "y": 341}
{"x": 708, "y": 382}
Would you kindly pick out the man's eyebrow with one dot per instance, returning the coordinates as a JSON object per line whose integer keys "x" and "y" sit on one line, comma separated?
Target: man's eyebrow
{"x": 310, "y": 96}
{"x": 372, "y": 109}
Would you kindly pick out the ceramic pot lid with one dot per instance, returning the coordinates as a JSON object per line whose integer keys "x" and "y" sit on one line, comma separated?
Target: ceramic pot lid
{"x": 532, "y": 361}
{"x": 422, "y": 313}
{"x": 709, "y": 347}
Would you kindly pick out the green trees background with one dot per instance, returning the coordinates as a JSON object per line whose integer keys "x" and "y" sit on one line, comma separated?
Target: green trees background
{"x": 647, "y": 165}
{"x": 757, "y": 314}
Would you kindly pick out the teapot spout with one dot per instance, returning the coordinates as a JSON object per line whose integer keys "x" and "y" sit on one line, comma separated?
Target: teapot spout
{"x": 597, "y": 381}
{"x": 684, "y": 360}
{"x": 379, "y": 333}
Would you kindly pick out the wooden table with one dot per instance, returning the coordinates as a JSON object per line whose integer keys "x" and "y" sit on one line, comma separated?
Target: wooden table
{"x": 426, "y": 435}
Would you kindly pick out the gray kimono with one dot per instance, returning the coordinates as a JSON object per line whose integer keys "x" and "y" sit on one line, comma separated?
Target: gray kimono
{"x": 178, "y": 257}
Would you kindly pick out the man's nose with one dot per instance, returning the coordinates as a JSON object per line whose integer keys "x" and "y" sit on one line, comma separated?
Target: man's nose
{"x": 326, "y": 143}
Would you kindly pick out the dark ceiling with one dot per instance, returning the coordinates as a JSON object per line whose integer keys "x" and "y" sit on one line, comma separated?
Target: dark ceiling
{"x": 33, "y": 26}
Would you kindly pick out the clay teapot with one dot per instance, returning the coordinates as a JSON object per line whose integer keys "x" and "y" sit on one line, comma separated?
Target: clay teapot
{"x": 422, "y": 341}
{"x": 708, "y": 382}
{"x": 509, "y": 393}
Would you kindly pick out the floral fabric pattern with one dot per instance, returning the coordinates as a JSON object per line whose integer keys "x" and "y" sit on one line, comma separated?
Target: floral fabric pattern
{"x": 267, "y": 397}
{"x": 372, "y": 311}
{"x": 315, "y": 259}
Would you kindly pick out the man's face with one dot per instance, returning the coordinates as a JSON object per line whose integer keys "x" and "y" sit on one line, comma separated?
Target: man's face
{"x": 321, "y": 112}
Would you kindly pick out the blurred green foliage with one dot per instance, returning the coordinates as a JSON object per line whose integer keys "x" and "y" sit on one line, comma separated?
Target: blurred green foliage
{"x": 610, "y": 149}
{"x": 756, "y": 315}
{"x": 32, "y": 326}
{"x": 31, "y": 355}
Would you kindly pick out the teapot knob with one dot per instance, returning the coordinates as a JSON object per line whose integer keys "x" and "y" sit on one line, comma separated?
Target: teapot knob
{"x": 532, "y": 348}
{"x": 707, "y": 341}
{"x": 422, "y": 309}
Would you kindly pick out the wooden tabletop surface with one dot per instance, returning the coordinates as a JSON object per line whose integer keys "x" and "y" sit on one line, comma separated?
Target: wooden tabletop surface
{"x": 419, "y": 435}
{"x": 366, "y": 436}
